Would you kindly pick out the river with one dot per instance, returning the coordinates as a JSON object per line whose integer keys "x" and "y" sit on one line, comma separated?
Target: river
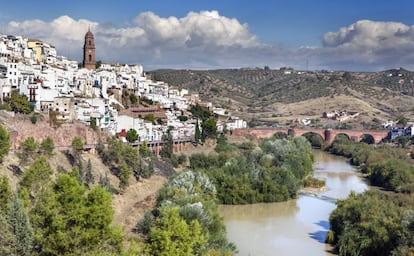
{"x": 296, "y": 227}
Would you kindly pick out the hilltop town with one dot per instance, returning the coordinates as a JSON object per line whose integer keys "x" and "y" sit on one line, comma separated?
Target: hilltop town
{"x": 112, "y": 97}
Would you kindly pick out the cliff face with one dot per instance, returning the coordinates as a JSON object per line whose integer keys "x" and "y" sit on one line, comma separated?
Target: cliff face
{"x": 20, "y": 128}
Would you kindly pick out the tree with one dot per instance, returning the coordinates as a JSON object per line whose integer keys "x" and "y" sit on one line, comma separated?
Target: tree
{"x": 124, "y": 175}
{"x": 105, "y": 183}
{"x": 144, "y": 151}
{"x": 134, "y": 99}
{"x": 197, "y": 133}
{"x": 47, "y": 146}
{"x": 402, "y": 120}
{"x": 73, "y": 221}
{"x": 132, "y": 135}
{"x": 77, "y": 146}
{"x": 7, "y": 238}
{"x": 5, "y": 194}
{"x": 89, "y": 178}
{"x": 171, "y": 235}
{"x": 167, "y": 148}
{"x": 4, "y": 142}
{"x": 37, "y": 175}
{"x": 28, "y": 149}
{"x": 200, "y": 112}
{"x": 19, "y": 103}
{"x": 402, "y": 141}
{"x": 93, "y": 123}
{"x": 22, "y": 229}
{"x": 209, "y": 129}
{"x": 150, "y": 118}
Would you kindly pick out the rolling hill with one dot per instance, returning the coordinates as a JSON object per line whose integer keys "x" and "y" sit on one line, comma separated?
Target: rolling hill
{"x": 267, "y": 96}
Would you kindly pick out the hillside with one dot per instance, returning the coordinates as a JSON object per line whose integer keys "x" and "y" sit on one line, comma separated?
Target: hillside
{"x": 278, "y": 95}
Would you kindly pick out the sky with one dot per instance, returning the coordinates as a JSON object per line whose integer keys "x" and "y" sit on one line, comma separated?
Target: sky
{"x": 352, "y": 35}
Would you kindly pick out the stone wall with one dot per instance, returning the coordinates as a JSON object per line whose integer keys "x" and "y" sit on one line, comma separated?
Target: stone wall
{"x": 20, "y": 128}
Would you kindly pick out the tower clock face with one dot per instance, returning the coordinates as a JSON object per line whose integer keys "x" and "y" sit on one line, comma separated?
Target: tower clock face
{"x": 90, "y": 51}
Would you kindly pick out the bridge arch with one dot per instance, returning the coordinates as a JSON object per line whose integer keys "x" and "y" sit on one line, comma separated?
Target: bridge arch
{"x": 316, "y": 139}
{"x": 327, "y": 134}
{"x": 280, "y": 135}
{"x": 367, "y": 138}
{"x": 340, "y": 135}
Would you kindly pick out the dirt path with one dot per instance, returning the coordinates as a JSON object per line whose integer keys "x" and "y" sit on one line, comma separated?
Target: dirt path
{"x": 136, "y": 199}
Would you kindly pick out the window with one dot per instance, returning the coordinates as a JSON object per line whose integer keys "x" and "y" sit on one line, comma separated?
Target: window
{"x": 90, "y": 43}
{"x": 90, "y": 58}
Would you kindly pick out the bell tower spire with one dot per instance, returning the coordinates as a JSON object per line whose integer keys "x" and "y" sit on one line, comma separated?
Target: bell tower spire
{"x": 89, "y": 51}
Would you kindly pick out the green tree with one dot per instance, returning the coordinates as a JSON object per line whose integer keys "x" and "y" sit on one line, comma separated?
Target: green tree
{"x": 77, "y": 146}
{"x": 167, "y": 148}
{"x": 200, "y": 112}
{"x": 89, "y": 178}
{"x": 7, "y": 238}
{"x": 4, "y": 142}
{"x": 124, "y": 175}
{"x": 71, "y": 221}
{"x": 37, "y": 176}
{"x": 5, "y": 194}
{"x": 171, "y": 235}
{"x": 402, "y": 120}
{"x": 19, "y": 103}
{"x": 197, "y": 133}
{"x": 28, "y": 149}
{"x": 144, "y": 151}
{"x": 47, "y": 146}
{"x": 132, "y": 135}
{"x": 402, "y": 141}
{"x": 209, "y": 129}
{"x": 150, "y": 118}
{"x": 93, "y": 123}
{"x": 133, "y": 99}
{"x": 22, "y": 229}
{"x": 105, "y": 183}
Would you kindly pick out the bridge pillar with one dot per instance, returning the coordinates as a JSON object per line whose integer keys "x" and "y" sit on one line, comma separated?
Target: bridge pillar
{"x": 354, "y": 138}
{"x": 328, "y": 136}
{"x": 291, "y": 132}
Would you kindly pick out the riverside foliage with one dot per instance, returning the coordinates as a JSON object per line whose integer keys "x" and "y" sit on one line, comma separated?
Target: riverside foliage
{"x": 375, "y": 222}
{"x": 186, "y": 219}
{"x": 273, "y": 171}
{"x": 385, "y": 166}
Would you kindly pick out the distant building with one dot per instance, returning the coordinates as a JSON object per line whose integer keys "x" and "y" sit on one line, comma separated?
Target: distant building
{"x": 89, "y": 51}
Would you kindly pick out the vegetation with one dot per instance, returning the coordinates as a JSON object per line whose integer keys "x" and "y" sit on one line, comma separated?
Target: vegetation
{"x": 200, "y": 112}
{"x": 268, "y": 86}
{"x": 209, "y": 129}
{"x": 4, "y": 142}
{"x": 385, "y": 166}
{"x": 186, "y": 219}
{"x": 124, "y": 160}
{"x": 270, "y": 172}
{"x": 375, "y": 222}
{"x": 132, "y": 135}
{"x": 57, "y": 216}
{"x": 18, "y": 103}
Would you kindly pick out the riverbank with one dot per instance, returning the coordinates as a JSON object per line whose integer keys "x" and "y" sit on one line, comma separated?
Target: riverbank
{"x": 278, "y": 228}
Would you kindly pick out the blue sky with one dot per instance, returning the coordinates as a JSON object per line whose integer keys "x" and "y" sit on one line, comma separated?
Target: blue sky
{"x": 365, "y": 35}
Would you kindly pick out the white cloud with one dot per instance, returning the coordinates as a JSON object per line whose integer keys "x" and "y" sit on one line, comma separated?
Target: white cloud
{"x": 207, "y": 39}
{"x": 372, "y": 43}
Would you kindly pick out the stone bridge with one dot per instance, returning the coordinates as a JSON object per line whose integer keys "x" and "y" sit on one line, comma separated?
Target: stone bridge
{"x": 328, "y": 135}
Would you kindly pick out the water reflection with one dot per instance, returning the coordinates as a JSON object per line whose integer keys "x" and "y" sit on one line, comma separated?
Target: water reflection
{"x": 297, "y": 227}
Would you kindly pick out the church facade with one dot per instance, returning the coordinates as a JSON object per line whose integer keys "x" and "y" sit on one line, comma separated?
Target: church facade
{"x": 89, "y": 61}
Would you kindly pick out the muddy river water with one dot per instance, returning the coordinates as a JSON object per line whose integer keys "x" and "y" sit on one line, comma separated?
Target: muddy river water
{"x": 296, "y": 227}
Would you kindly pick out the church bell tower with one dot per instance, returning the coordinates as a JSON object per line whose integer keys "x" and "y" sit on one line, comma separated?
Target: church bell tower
{"x": 89, "y": 51}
